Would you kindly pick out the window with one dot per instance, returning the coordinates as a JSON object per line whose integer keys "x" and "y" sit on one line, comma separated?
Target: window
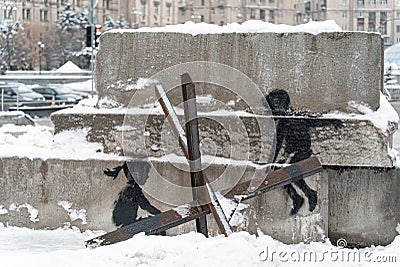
{"x": 383, "y": 16}
{"x": 222, "y": 12}
{"x": 344, "y": 14}
{"x": 371, "y": 26}
{"x": 27, "y": 14}
{"x": 372, "y": 2}
{"x": 397, "y": 40}
{"x": 143, "y": 9}
{"x": 371, "y": 16}
{"x": 344, "y": 27}
{"x": 344, "y": 2}
{"x": 168, "y": 11}
{"x": 271, "y": 16}
{"x": 262, "y": 14}
{"x": 383, "y": 2}
{"x": 360, "y": 2}
{"x": 252, "y": 13}
{"x": 155, "y": 10}
{"x": 212, "y": 11}
{"x": 44, "y": 15}
{"x": 203, "y": 2}
{"x": 397, "y": 28}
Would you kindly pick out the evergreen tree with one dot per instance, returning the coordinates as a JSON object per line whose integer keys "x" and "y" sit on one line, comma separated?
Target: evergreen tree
{"x": 109, "y": 24}
{"x": 68, "y": 19}
{"x": 83, "y": 17}
{"x": 122, "y": 23}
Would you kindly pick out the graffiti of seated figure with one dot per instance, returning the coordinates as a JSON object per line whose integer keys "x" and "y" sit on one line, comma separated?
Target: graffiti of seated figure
{"x": 131, "y": 197}
{"x": 293, "y": 143}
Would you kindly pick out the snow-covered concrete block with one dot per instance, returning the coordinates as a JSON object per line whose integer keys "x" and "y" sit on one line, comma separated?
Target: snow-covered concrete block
{"x": 322, "y": 72}
{"x": 357, "y": 142}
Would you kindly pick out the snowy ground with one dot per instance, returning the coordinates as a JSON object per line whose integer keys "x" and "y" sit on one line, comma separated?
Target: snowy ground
{"x": 64, "y": 247}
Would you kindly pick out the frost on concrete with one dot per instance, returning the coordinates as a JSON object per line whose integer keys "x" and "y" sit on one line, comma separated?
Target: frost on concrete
{"x": 33, "y": 212}
{"x": 3, "y": 210}
{"x": 73, "y": 213}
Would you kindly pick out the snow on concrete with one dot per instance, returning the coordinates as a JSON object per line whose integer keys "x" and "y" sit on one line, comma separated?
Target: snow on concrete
{"x": 73, "y": 213}
{"x": 21, "y": 247}
{"x": 380, "y": 118}
{"x": 251, "y": 26}
{"x": 33, "y": 212}
{"x": 39, "y": 142}
{"x": 3, "y": 210}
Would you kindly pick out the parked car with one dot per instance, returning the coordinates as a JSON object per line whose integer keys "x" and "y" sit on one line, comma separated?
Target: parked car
{"x": 19, "y": 93}
{"x": 62, "y": 94}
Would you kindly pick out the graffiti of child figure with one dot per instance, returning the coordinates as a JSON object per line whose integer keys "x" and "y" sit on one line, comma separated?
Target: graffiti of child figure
{"x": 293, "y": 142}
{"x": 131, "y": 197}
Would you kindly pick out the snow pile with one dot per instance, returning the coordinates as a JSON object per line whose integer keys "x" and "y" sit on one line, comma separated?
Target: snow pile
{"x": 20, "y": 247}
{"x": 251, "y": 26}
{"x": 233, "y": 211}
{"x": 39, "y": 142}
{"x": 69, "y": 67}
{"x": 382, "y": 118}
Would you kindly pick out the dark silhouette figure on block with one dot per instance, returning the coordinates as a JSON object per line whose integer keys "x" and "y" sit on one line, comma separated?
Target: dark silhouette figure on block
{"x": 131, "y": 197}
{"x": 293, "y": 142}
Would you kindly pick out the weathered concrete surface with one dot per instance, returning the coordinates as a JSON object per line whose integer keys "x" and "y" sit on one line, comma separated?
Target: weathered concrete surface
{"x": 358, "y": 204}
{"x": 321, "y": 72}
{"x": 355, "y": 143}
{"x": 363, "y": 204}
{"x": 37, "y": 184}
{"x": 17, "y": 118}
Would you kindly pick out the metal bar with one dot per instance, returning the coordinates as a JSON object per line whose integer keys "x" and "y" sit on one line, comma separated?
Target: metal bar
{"x": 177, "y": 129}
{"x": 193, "y": 147}
{"x": 188, "y": 212}
{"x": 2, "y": 99}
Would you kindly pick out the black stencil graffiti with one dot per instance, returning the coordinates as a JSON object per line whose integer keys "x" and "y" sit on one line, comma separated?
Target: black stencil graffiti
{"x": 293, "y": 142}
{"x": 131, "y": 197}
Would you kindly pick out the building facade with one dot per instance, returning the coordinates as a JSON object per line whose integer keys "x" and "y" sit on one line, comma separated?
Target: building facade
{"x": 353, "y": 15}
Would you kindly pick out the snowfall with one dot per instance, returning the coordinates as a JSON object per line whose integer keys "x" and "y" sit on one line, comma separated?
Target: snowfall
{"x": 65, "y": 246}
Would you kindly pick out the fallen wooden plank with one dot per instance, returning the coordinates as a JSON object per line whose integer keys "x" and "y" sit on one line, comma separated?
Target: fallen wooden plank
{"x": 190, "y": 211}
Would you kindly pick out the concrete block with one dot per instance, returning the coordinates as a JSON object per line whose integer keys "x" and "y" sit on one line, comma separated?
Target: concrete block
{"x": 355, "y": 143}
{"x": 321, "y": 72}
{"x": 363, "y": 204}
{"x": 36, "y": 188}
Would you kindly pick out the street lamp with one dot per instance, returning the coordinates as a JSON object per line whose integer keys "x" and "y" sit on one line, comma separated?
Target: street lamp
{"x": 41, "y": 47}
{"x": 195, "y": 16}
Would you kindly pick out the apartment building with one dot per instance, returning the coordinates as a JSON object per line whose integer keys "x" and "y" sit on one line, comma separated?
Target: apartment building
{"x": 351, "y": 15}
